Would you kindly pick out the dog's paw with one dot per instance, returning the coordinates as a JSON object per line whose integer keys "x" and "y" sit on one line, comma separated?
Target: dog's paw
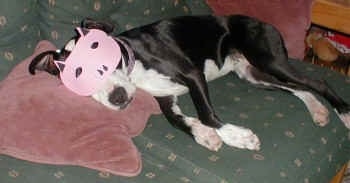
{"x": 318, "y": 111}
{"x": 239, "y": 137}
{"x": 345, "y": 117}
{"x": 205, "y": 136}
{"x": 319, "y": 114}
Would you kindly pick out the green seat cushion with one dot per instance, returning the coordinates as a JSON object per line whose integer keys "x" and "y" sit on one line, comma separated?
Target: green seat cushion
{"x": 293, "y": 148}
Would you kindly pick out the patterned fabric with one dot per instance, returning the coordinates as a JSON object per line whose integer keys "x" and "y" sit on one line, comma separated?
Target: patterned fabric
{"x": 24, "y": 23}
{"x": 293, "y": 148}
{"x": 18, "y": 32}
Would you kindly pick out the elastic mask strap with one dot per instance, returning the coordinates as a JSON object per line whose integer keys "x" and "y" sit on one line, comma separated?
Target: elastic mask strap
{"x": 124, "y": 67}
{"x": 131, "y": 56}
{"x": 78, "y": 29}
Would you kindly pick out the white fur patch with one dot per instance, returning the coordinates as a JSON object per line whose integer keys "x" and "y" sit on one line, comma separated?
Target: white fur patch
{"x": 345, "y": 118}
{"x": 117, "y": 79}
{"x": 154, "y": 82}
{"x": 70, "y": 45}
{"x": 238, "y": 137}
{"x": 241, "y": 67}
{"x": 211, "y": 70}
{"x": 202, "y": 134}
{"x": 160, "y": 85}
{"x": 318, "y": 111}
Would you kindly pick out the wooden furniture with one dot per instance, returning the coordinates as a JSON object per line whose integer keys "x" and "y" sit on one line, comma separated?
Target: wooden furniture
{"x": 332, "y": 14}
{"x": 339, "y": 177}
{"x": 335, "y": 15}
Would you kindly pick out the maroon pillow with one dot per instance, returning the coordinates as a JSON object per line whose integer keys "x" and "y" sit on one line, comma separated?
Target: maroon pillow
{"x": 291, "y": 18}
{"x": 42, "y": 121}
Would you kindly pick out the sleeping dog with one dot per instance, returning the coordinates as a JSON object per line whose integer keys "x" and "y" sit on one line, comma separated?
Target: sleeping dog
{"x": 178, "y": 55}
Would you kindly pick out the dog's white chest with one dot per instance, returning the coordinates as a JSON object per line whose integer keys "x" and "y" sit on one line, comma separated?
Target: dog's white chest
{"x": 161, "y": 85}
{"x": 154, "y": 82}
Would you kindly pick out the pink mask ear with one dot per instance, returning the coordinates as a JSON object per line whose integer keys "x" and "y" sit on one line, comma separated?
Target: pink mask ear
{"x": 60, "y": 65}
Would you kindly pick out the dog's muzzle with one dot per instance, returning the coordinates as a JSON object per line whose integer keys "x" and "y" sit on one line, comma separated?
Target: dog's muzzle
{"x": 119, "y": 97}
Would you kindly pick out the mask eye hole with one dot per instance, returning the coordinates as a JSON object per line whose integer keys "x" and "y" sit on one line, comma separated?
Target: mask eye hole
{"x": 94, "y": 45}
{"x": 78, "y": 72}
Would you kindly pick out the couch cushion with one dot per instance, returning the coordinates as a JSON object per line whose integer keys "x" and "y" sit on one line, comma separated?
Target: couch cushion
{"x": 198, "y": 7}
{"x": 24, "y": 23}
{"x": 294, "y": 149}
{"x": 18, "y": 32}
{"x": 136, "y": 13}
{"x": 58, "y": 18}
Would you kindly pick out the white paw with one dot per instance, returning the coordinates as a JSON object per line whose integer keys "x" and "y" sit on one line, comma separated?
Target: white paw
{"x": 204, "y": 135}
{"x": 345, "y": 118}
{"x": 320, "y": 115}
{"x": 239, "y": 137}
{"x": 318, "y": 111}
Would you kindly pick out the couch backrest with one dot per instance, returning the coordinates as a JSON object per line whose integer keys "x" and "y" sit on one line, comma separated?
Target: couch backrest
{"x": 24, "y": 23}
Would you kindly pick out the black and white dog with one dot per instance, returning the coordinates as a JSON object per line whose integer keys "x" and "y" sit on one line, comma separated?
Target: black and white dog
{"x": 181, "y": 54}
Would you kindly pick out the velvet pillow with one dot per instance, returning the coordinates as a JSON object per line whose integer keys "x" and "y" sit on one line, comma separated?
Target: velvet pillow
{"x": 42, "y": 121}
{"x": 291, "y": 18}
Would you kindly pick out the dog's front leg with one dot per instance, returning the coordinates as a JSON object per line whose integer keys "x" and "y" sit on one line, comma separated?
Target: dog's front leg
{"x": 232, "y": 135}
{"x": 203, "y": 135}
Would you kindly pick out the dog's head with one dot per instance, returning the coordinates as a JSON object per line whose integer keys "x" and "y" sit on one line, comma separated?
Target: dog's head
{"x": 87, "y": 70}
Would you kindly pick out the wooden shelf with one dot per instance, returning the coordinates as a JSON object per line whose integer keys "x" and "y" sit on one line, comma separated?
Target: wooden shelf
{"x": 332, "y": 15}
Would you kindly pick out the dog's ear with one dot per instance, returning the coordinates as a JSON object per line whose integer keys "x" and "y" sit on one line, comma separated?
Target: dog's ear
{"x": 92, "y": 24}
{"x": 44, "y": 62}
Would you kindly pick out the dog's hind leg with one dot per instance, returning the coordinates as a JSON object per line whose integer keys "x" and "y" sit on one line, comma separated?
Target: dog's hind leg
{"x": 248, "y": 72}
{"x": 318, "y": 111}
{"x": 285, "y": 73}
{"x": 263, "y": 47}
{"x": 323, "y": 89}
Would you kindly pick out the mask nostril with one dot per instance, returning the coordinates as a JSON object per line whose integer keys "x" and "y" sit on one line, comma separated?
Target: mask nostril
{"x": 100, "y": 72}
{"x": 105, "y": 68}
{"x": 78, "y": 72}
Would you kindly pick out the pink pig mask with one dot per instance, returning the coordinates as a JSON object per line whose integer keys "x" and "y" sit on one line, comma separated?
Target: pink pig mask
{"x": 94, "y": 58}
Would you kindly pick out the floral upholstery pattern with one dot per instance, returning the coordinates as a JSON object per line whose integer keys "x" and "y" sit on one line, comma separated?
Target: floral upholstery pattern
{"x": 18, "y": 32}
{"x": 293, "y": 148}
{"x": 24, "y": 23}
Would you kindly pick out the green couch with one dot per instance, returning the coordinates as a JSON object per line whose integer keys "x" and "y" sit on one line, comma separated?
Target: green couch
{"x": 294, "y": 150}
